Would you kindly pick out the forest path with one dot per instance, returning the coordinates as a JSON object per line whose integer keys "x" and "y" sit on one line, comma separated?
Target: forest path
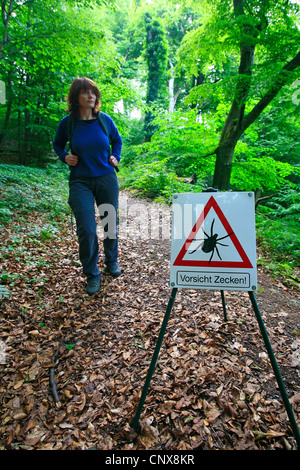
{"x": 213, "y": 387}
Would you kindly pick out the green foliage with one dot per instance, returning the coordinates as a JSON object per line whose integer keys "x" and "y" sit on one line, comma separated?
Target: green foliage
{"x": 243, "y": 30}
{"x": 25, "y": 190}
{"x": 26, "y": 193}
{"x": 285, "y": 204}
{"x": 156, "y": 59}
{"x": 280, "y": 238}
{"x": 154, "y": 181}
{"x": 186, "y": 146}
{"x": 181, "y": 142}
{"x": 194, "y": 47}
{"x": 51, "y": 43}
{"x": 278, "y": 233}
{"x": 185, "y": 142}
{"x": 277, "y": 130}
{"x": 260, "y": 173}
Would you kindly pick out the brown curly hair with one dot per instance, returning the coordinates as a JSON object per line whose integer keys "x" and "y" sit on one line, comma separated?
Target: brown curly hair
{"x": 78, "y": 84}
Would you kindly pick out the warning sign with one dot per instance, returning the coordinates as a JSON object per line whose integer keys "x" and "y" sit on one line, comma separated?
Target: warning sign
{"x": 213, "y": 241}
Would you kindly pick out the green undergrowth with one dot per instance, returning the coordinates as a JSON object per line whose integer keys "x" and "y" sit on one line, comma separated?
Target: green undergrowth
{"x": 154, "y": 181}
{"x": 28, "y": 195}
{"x": 27, "y": 190}
{"x": 279, "y": 243}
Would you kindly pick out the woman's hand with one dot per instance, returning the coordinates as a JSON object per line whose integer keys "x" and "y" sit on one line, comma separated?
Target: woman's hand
{"x": 71, "y": 160}
{"x": 113, "y": 161}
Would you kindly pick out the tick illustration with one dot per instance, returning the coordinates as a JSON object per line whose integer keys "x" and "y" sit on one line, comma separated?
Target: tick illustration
{"x": 210, "y": 243}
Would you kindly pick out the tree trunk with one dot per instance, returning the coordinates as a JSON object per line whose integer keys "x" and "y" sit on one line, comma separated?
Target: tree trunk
{"x": 6, "y": 11}
{"x": 237, "y": 122}
{"x": 223, "y": 166}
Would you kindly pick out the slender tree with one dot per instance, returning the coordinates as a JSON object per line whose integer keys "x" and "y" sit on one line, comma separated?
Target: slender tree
{"x": 156, "y": 58}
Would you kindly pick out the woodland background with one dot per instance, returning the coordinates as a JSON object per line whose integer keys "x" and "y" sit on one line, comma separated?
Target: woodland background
{"x": 202, "y": 90}
{"x": 204, "y": 93}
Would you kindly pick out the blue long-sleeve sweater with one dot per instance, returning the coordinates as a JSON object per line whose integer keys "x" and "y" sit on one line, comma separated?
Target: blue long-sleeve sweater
{"x": 90, "y": 144}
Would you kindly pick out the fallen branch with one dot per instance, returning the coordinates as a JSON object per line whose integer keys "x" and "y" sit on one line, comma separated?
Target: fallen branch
{"x": 259, "y": 200}
{"x": 51, "y": 376}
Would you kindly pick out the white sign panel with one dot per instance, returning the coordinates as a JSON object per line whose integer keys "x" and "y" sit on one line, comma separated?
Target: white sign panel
{"x": 213, "y": 241}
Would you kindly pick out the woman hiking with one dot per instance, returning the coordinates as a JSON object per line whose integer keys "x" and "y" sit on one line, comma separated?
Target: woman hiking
{"x": 92, "y": 176}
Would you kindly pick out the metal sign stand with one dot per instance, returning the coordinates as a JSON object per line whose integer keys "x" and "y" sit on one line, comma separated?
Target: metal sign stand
{"x": 136, "y": 418}
{"x": 264, "y": 333}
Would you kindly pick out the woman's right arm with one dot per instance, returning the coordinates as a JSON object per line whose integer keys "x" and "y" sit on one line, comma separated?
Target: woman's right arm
{"x": 60, "y": 141}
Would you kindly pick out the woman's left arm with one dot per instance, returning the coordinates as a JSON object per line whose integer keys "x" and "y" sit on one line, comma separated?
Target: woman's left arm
{"x": 116, "y": 141}
{"x": 113, "y": 161}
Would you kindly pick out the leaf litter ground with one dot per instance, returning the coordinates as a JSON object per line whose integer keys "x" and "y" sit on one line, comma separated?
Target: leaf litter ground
{"x": 213, "y": 386}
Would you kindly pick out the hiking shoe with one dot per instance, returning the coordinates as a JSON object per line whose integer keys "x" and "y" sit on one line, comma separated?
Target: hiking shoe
{"x": 93, "y": 285}
{"x": 113, "y": 270}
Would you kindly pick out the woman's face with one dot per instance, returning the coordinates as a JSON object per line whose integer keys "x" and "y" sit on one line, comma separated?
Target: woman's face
{"x": 87, "y": 99}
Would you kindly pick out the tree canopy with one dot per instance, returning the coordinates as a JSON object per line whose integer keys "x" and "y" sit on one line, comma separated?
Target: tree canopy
{"x": 214, "y": 83}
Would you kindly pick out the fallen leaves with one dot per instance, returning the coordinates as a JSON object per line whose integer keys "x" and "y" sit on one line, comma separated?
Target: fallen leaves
{"x": 212, "y": 387}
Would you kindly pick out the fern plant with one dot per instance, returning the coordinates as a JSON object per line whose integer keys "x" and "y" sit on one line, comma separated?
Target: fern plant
{"x": 285, "y": 204}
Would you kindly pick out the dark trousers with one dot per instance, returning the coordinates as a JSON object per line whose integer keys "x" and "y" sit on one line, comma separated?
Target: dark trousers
{"x": 82, "y": 196}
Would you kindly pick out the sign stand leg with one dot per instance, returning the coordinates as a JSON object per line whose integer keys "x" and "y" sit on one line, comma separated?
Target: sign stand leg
{"x": 264, "y": 333}
{"x": 224, "y": 305}
{"x": 136, "y": 418}
{"x": 275, "y": 369}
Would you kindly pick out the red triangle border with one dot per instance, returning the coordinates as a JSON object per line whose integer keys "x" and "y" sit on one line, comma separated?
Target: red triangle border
{"x": 179, "y": 261}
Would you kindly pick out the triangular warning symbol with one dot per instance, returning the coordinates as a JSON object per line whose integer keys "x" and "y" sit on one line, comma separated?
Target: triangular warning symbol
{"x": 180, "y": 261}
